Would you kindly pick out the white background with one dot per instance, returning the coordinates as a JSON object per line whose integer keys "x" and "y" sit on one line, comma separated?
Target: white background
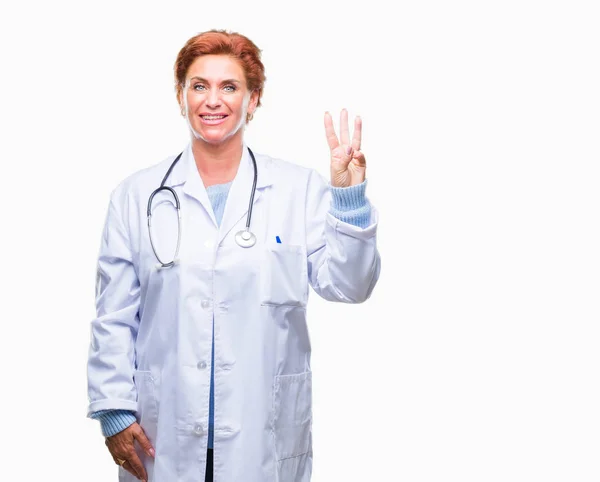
{"x": 477, "y": 357}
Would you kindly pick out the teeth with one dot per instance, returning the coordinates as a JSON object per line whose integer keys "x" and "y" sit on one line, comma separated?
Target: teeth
{"x": 213, "y": 117}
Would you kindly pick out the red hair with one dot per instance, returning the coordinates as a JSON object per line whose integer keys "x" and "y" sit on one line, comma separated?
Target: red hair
{"x": 221, "y": 42}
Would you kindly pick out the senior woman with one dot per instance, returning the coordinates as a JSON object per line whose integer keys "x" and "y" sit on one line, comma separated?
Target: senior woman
{"x": 199, "y": 362}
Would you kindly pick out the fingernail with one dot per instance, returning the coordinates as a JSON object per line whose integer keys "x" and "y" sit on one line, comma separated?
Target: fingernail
{"x": 349, "y": 150}
{"x": 151, "y": 452}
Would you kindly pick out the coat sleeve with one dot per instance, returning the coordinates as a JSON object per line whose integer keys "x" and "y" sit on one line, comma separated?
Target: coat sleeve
{"x": 111, "y": 353}
{"x": 343, "y": 260}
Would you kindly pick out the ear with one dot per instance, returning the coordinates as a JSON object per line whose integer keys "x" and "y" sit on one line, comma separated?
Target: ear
{"x": 180, "y": 101}
{"x": 253, "y": 102}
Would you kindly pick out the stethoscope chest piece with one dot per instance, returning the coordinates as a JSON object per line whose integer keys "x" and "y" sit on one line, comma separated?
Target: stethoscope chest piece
{"x": 245, "y": 238}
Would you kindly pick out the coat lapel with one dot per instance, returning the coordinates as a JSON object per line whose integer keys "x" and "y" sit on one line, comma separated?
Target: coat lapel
{"x": 186, "y": 172}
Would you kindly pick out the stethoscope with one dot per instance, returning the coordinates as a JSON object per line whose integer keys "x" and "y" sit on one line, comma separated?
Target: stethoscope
{"x": 244, "y": 238}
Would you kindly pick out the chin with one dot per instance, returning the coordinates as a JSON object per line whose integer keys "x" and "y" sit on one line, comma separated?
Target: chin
{"x": 213, "y": 136}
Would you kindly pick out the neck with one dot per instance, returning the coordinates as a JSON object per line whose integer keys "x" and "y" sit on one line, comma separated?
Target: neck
{"x": 217, "y": 163}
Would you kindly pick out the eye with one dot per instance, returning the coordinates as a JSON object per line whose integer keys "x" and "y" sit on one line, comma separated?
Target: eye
{"x": 197, "y": 87}
{"x": 231, "y": 87}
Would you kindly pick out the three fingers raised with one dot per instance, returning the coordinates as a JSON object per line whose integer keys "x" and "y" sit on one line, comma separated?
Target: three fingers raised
{"x": 332, "y": 139}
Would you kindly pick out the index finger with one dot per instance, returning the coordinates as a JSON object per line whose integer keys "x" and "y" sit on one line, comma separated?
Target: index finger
{"x": 332, "y": 139}
{"x": 356, "y": 137}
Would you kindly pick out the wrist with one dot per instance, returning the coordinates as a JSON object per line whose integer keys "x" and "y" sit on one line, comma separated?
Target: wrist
{"x": 348, "y": 198}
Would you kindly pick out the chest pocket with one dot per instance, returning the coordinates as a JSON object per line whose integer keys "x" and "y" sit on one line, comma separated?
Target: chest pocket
{"x": 284, "y": 278}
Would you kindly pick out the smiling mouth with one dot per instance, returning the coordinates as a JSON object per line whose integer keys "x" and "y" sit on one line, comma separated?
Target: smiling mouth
{"x": 212, "y": 120}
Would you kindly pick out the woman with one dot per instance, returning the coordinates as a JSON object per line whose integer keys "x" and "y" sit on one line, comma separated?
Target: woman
{"x": 204, "y": 362}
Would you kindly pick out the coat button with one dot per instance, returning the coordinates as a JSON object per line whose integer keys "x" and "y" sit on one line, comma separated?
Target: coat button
{"x": 201, "y": 365}
{"x": 205, "y": 304}
{"x": 198, "y": 430}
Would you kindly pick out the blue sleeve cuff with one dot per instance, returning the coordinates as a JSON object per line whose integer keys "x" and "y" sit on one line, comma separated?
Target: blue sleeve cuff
{"x": 350, "y": 205}
{"x": 114, "y": 421}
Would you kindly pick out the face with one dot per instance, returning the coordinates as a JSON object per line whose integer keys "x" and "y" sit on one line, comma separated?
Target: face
{"x": 216, "y": 99}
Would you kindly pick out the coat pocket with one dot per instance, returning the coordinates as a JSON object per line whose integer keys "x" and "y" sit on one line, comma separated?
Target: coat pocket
{"x": 284, "y": 275}
{"x": 292, "y": 414}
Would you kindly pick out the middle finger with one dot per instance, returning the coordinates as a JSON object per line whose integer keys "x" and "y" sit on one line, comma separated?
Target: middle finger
{"x": 344, "y": 131}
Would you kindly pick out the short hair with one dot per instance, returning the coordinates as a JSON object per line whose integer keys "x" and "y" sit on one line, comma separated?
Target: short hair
{"x": 222, "y": 42}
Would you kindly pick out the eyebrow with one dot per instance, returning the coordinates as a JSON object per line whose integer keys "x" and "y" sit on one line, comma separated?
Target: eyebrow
{"x": 226, "y": 81}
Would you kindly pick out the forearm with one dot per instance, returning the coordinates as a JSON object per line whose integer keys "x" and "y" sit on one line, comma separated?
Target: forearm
{"x": 343, "y": 261}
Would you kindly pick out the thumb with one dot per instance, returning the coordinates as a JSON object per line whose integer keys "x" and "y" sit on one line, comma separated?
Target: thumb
{"x": 140, "y": 436}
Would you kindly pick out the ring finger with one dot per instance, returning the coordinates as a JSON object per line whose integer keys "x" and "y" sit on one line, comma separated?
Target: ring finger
{"x": 128, "y": 467}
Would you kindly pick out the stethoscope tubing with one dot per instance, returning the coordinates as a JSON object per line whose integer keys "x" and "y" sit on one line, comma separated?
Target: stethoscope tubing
{"x": 245, "y": 239}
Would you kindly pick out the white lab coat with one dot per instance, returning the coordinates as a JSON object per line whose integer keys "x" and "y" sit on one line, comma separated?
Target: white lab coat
{"x": 150, "y": 345}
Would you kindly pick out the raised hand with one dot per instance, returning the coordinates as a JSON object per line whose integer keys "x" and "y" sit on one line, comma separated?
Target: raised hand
{"x": 348, "y": 165}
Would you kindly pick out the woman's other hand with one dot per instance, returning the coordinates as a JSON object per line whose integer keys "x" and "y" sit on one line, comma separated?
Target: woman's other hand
{"x": 348, "y": 165}
{"x": 121, "y": 447}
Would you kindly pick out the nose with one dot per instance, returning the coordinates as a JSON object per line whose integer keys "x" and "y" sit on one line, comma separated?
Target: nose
{"x": 213, "y": 99}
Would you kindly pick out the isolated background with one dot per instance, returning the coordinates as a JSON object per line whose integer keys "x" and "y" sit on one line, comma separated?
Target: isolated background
{"x": 477, "y": 357}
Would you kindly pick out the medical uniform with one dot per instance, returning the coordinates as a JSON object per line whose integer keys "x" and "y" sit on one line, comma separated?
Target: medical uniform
{"x": 261, "y": 377}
